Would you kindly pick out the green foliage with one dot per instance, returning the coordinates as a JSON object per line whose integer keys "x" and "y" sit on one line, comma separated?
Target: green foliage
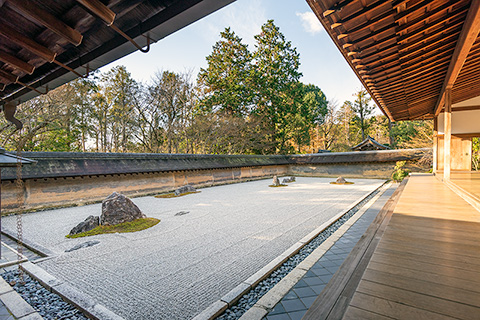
{"x": 476, "y": 153}
{"x": 412, "y": 134}
{"x": 173, "y": 195}
{"x": 132, "y": 226}
{"x": 399, "y": 172}
{"x": 362, "y": 110}
{"x": 227, "y": 81}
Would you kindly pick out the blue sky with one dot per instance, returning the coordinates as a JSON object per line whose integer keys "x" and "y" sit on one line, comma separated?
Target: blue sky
{"x": 321, "y": 62}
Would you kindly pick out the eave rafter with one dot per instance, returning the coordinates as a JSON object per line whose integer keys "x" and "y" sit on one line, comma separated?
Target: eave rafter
{"x": 468, "y": 36}
{"x": 407, "y": 52}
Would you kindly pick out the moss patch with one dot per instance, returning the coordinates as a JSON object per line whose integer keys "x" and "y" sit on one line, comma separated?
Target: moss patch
{"x": 342, "y": 183}
{"x": 132, "y": 226}
{"x": 172, "y": 195}
{"x": 280, "y": 185}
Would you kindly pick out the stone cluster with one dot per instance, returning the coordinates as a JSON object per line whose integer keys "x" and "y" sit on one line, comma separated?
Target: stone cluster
{"x": 116, "y": 209}
{"x": 288, "y": 179}
{"x": 185, "y": 189}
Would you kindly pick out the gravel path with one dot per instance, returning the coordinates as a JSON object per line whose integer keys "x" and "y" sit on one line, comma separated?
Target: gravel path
{"x": 182, "y": 265}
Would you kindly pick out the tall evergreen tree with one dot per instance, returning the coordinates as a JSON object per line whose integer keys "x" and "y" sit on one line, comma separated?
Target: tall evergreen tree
{"x": 277, "y": 77}
{"x": 227, "y": 81}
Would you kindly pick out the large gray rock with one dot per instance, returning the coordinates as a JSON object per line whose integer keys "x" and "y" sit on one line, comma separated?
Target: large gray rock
{"x": 341, "y": 180}
{"x": 275, "y": 181}
{"x": 185, "y": 189}
{"x": 117, "y": 208}
{"x": 90, "y": 223}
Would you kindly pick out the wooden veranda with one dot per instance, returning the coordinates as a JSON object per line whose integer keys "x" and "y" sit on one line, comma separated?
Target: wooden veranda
{"x": 420, "y": 258}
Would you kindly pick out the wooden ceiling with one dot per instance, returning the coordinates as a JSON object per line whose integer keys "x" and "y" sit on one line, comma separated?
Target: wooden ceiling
{"x": 45, "y": 43}
{"x": 408, "y": 52}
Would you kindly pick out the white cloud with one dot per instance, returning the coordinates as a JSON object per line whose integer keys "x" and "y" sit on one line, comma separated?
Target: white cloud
{"x": 310, "y": 22}
{"x": 245, "y": 18}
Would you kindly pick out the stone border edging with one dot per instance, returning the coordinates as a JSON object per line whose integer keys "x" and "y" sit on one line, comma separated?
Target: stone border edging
{"x": 82, "y": 301}
{"x": 266, "y": 303}
{"x": 229, "y": 299}
{"x": 38, "y": 249}
{"x": 20, "y": 309}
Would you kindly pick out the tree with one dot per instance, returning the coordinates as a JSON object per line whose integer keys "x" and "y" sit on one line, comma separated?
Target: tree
{"x": 227, "y": 81}
{"x": 172, "y": 102}
{"x": 118, "y": 89}
{"x": 329, "y": 128}
{"x": 413, "y": 134}
{"x": 362, "y": 109}
{"x": 277, "y": 76}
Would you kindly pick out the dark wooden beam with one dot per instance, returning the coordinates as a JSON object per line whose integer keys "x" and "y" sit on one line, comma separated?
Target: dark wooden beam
{"x": 27, "y": 43}
{"x": 367, "y": 24}
{"x": 15, "y": 62}
{"x": 8, "y": 76}
{"x": 467, "y": 38}
{"x": 99, "y": 9}
{"x": 443, "y": 22}
{"x": 365, "y": 10}
{"x": 465, "y": 108}
{"x": 337, "y": 6}
{"x": 372, "y": 34}
{"x": 32, "y": 12}
{"x": 430, "y": 40}
{"x": 421, "y": 19}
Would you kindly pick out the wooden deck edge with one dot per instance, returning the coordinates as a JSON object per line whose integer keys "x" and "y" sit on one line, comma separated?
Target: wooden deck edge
{"x": 469, "y": 197}
{"x": 335, "y": 298}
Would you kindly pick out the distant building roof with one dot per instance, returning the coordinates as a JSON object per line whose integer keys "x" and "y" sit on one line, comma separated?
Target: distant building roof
{"x": 323, "y": 151}
{"x": 10, "y": 160}
{"x": 369, "y": 144}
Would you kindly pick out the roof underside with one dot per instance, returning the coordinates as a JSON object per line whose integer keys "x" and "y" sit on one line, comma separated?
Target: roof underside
{"x": 408, "y": 52}
{"x": 42, "y": 40}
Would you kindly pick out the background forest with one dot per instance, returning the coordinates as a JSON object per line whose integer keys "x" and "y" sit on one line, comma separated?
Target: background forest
{"x": 243, "y": 102}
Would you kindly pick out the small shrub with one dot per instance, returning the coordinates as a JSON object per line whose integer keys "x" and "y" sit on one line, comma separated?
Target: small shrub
{"x": 399, "y": 172}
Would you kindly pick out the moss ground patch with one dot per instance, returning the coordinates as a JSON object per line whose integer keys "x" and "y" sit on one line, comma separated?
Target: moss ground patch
{"x": 132, "y": 226}
{"x": 280, "y": 185}
{"x": 342, "y": 183}
{"x": 172, "y": 195}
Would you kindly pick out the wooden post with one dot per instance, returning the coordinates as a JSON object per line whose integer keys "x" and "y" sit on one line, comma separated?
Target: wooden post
{"x": 435, "y": 144}
{"x": 447, "y": 128}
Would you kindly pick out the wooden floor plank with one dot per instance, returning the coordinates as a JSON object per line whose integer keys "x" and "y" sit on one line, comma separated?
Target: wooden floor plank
{"x": 414, "y": 236}
{"x": 459, "y": 295}
{"x": 433, "y": 261}
{"x": 433, "y": 229}
{"x": 447, "y": 224}
{"x": 393, "y": 309}
{"x": 421, "y": 301}
{"x": 444, "y": 278}
{"x": 414, "y": 265}
{"x": 354, "y": 313}
{"x": 459, "y": 250}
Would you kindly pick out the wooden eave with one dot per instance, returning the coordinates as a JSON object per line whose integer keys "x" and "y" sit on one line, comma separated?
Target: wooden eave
{"x": 407, "y": 52}
{"x": 46, "y": 43}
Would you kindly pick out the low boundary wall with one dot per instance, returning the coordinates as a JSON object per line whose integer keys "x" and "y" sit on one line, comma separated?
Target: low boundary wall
{"x": 66, "y": 179}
